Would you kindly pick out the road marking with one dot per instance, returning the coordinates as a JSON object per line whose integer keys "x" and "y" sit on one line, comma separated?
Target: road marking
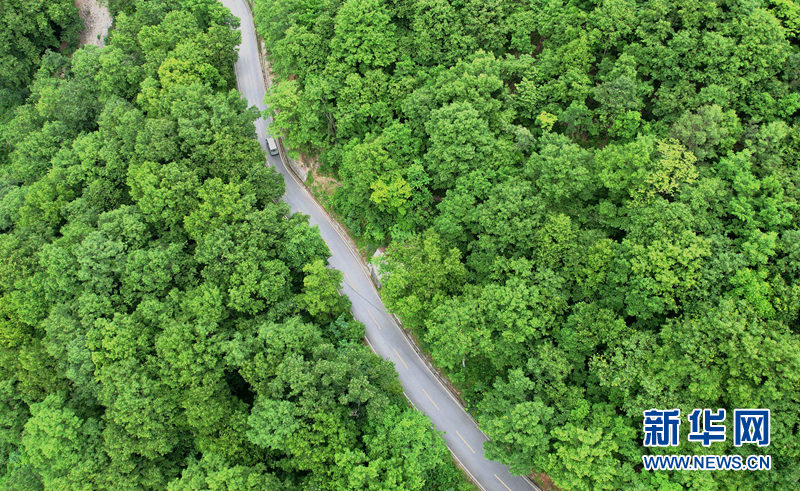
{"x": 463, "y": 467}
{"x": 465, "y": 442}
{"x": 435, "y": 376}
{"x": 373, "y": 318}
{"x": 501, "y": 482}
{"x": 400, "y": 358}
{"x": 347, "y": 281}
{"x": 432, "y": 402}
{"x": 409, "y": 400}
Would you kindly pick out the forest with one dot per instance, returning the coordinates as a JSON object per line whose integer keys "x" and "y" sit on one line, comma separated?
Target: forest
{"x": 165, "y": 322}
{"x": 590, "y": 208}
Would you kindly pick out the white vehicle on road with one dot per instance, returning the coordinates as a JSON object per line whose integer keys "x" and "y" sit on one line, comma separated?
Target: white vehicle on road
{"x": 272, "y": 146}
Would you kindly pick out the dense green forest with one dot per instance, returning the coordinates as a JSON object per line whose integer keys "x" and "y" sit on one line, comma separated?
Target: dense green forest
{"x": 28, "y": 28}
{"x": 165, "y": 322}
{"x": 591, "y": 208}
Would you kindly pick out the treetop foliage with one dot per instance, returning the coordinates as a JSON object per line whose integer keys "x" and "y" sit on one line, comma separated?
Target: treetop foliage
{"x": 165, "y": 322}
{"x": 590, "y": 208}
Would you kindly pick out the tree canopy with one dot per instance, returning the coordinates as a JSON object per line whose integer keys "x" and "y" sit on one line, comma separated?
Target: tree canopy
{"x": 165, "y": 321}
{"x": 591, "y": 208}
{"x": 30, "y": 27}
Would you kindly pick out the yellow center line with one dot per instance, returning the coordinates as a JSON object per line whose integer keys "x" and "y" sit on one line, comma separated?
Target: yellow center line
{"x": 400, "y": 358}
{"x": 501, "y": 482}
{"x": 429, "y": 398}
{"x": 465, "y": 442}
{"x": 373, "y": 319}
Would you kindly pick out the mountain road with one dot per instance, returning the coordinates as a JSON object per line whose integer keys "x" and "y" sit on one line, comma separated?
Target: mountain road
{"x": 422, "y": 386}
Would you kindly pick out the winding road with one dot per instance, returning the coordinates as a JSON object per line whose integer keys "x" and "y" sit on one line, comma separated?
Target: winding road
{"x": 422, "y": 386}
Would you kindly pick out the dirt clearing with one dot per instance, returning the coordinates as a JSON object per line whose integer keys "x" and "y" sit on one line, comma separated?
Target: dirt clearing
{"x": 96, "y": 21}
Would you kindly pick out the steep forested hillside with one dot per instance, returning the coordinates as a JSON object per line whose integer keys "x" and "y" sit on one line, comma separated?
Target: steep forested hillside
{"x": 165, "y": 323}
{"x": 591, "y": 207}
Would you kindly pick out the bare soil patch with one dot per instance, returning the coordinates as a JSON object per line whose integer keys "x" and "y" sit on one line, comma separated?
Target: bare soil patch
{"x": 96, "y": 21}
{"x": 322, "y": 186}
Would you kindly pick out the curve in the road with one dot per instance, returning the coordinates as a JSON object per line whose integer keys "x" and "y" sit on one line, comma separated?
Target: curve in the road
{"x": 422, "y": 386}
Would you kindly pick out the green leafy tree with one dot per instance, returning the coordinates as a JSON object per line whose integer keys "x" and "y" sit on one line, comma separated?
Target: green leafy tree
{"x": 422, "y": 270}
{"x": 29, "y": 28}
{"x": 61, "y": 447}
{"x": 320, "y": 296}
{"x": 163, "y": 316}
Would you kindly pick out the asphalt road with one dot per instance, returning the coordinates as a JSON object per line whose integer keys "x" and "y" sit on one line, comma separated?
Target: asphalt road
{"x": 422, "y": 387}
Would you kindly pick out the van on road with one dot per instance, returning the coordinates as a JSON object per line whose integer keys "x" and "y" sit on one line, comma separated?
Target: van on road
{"x": 272, "y": 146}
